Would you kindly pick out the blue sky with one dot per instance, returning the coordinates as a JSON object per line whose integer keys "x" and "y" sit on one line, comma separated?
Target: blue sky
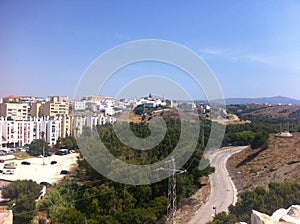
{"x": 253, "y": 47}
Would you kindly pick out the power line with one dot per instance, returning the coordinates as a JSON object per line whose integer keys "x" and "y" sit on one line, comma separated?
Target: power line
{"x": 171, "y": 209}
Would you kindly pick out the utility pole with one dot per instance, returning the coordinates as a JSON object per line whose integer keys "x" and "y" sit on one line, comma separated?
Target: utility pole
{"x": 43, "y": 155}
{"x": 171, "y": 209}
{"x": 202, "y": 134}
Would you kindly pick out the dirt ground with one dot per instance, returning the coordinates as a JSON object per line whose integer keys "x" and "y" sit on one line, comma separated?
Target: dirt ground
{"x": 189, "y": 207}
{"x": 279, "y": 162}
{"x": 41, "y": 170}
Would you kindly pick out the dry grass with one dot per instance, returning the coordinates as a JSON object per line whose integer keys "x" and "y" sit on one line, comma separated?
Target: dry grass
{"x": 279, "y": 162}
{"x": 188, "y": 207}
{"x": 22, "y": 155}
{"x": 274, "y": 111}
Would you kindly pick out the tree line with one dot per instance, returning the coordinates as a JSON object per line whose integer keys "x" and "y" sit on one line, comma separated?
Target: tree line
{"x": 265, "y": 200}
{"x": 89, "y": 197}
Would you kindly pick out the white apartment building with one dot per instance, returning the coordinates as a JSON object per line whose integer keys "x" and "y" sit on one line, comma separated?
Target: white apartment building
{"x": 79, "y": 105}
{"x": 57, "y": 99}
{"x": 100, "y": 103}
{"x": 151, "y": 102}
{"x": 53, "y": 131}
{"x": 66, "y": 125}
{"x": 90, "y": 121}
{"x": 20, "y": 133}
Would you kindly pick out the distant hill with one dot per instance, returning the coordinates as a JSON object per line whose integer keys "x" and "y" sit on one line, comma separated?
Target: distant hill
{"x": 268, "y": 100}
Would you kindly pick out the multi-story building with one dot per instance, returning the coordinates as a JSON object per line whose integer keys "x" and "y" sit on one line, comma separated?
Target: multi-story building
{"x": 11, "y": 99}
{"x": 35, "y": 109}
{"x": 79, "y": 122}
{"x": 24, "y": 119}
{"x": 31, "y": 99}
{"x": 14, "y": 111}
{"x": 79, "y": 105}
{"x": 54, "y": 108}
{"x": 78, "y": 125}
{"x": 20, "y": 133}
{"x": 57, "y": 99}
{"x": 66, "y": 125}
{"x": 53, "y": 131}
{"x": 96, "y": 104}
{"x": 151, "y": 102}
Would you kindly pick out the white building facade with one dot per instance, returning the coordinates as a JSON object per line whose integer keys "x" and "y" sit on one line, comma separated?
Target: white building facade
{"x": 79, "y": 122}
{"x": 20, "y": 133}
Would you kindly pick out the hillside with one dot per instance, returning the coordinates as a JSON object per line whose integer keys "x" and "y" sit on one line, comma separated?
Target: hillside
{"x": 273, "y": 118}
{"x": 262, "y": 100}
{"x": 279, "y": 162}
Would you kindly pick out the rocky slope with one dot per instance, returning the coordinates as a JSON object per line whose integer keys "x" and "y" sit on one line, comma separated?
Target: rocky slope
{"x": 281, "y": 216}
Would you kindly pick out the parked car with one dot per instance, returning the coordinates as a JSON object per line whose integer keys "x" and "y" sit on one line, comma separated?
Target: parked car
{"x": 8, "y": 171}
{"x": 49, "y": 154}
{"x": 2, "y": 160}
{"x": 62, "y": 152}
{"x": 44, "y": 183}
{"x": 25, "y": 163}
{"x": 10, "y": 165}
{"x": 53, "y": 162}
{"x": 64, "y": 172}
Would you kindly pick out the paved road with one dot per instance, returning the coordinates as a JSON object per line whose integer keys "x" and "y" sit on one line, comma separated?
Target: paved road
{"x": 223, "y": 192}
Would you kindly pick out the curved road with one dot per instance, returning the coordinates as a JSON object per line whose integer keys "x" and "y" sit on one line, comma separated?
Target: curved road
{"x": 222, "y": 190}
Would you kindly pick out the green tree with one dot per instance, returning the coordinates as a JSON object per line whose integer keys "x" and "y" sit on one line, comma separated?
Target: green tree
{"x": 18, "y": 187}
{"x": 36, "y": 147}
{"x": 223, "y": 218}
{"x": 59, "y": 143}
{"x": 23, "y": 194}
{"x": 103, "y": 201}
{"x": 69, "y": 142}
{"x": 260, "y": 140}
{"x": 139, "y": 110}
{"x": 67, "y": 215}
{"x": 278, "y": 195}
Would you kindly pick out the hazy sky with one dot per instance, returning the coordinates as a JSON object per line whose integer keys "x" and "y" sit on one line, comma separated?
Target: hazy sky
{"x": 253, "y": 47}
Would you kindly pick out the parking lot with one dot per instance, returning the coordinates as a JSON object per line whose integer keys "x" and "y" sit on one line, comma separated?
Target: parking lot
{"x": 40, "y": 169}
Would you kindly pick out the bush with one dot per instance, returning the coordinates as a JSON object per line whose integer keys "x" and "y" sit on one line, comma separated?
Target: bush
{"x": 260, "y": 140}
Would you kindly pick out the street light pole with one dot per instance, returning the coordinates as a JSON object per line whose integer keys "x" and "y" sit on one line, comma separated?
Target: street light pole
{"x": 215, "y": 208}
{"x": 43, "y": 155}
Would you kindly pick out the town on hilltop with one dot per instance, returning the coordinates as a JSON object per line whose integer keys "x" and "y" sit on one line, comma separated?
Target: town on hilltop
{"x": 26, "y": 118}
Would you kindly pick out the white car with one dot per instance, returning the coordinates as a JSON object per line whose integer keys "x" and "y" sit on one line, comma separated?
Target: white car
{"x": 8, "y": 171}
